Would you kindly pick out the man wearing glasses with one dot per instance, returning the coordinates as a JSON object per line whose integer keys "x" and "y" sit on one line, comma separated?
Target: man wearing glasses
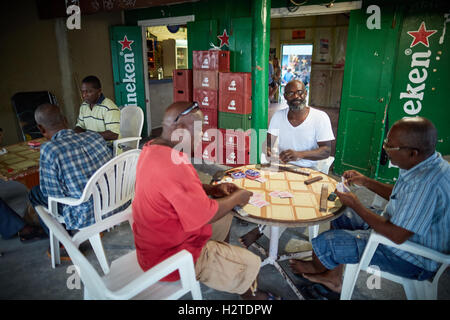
{"x": 173, "y": 210}
{"x": 418, "y": 211}
{"x": 304, "y": 134}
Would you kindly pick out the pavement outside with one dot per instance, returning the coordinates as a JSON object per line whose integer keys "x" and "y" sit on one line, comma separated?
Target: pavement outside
{"x": 26, "y": 272}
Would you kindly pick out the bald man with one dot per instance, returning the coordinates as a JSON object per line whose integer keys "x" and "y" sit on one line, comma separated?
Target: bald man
{"x": 66, "y": 163}
{"x": 172, "y": 209}
{"x": 303, "y": 134}
{"x": 418, "y": 210}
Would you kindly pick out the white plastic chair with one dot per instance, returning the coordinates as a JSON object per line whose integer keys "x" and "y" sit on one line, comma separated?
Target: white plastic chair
{"x": 125, "y": 279}
{"x": 111, "y": 186}
{"x": 414, "y": 289}
{"x": 131, "y": 123}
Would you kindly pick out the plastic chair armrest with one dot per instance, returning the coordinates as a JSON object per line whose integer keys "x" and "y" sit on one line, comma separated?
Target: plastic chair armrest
{"x": 414, "y": 248}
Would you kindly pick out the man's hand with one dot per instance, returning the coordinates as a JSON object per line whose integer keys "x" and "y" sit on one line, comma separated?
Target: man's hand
{"x": 289, "y": 155}
{"x": 354, "y": 177}
{"x": 242, "y": 196}
{"x": 222, "y": 190}
{"x": 348, "y": 199}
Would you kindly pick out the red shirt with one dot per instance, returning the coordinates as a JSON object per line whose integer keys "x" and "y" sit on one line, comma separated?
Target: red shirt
{"x": 171, "y": 210}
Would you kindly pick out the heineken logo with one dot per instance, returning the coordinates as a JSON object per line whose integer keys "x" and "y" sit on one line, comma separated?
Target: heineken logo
{"x": 126, "y": 44}
{"x": 232, "y": 86}
{"x": 232, "y": 105}
{"x": 130, "y": 75}
{"x": 205, "y": 101}
{"x": 420, "y": 61}
{"x": 421, "y": 35}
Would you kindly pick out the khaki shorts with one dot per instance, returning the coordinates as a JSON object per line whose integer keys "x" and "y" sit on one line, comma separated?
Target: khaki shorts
{"x": 225, "y": 267}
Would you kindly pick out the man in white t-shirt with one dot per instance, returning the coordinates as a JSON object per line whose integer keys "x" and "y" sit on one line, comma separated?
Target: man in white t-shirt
{"x": 303, "y": 134}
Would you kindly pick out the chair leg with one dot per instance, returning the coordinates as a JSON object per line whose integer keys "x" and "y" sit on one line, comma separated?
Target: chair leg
{"x": 196, "y": 292}
{"x": 410, "y": 289}
{"x": 97, "y": 245}
{"x": 348, "y": 284}
{"x": 54, "y": 250}
{"x": 313, "y": 232}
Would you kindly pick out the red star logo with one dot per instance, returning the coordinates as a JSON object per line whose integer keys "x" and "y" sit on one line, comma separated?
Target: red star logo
{"x": 421, "y": 35}
{"x": 224, "y": 38}
{"x": 126, "y": 44}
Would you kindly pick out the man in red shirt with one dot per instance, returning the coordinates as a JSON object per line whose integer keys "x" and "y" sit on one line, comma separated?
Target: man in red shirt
{"x": 172, "y": 210}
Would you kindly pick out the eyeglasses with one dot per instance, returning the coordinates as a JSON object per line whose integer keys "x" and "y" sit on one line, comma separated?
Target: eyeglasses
{"x": 291, "y": 93}
{"x": 185, "y": 112}
{"x": 387, "y": 148}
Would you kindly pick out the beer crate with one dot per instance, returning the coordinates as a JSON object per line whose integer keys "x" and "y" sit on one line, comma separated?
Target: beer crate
{"x": 227, "y": 120}
{"x": 217, "y": 60}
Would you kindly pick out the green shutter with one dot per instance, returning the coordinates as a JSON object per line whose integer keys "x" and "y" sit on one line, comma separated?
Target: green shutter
{"x": 366, "y": 92}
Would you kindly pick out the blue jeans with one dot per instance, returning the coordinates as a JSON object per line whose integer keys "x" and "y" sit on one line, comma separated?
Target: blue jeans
{"x": 346, "y": 241}
{"x": 10, "y": 221}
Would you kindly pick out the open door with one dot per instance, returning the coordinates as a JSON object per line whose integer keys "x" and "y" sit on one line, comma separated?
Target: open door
{"x": 366, "y": 92}
{"x": 128, "y": 68}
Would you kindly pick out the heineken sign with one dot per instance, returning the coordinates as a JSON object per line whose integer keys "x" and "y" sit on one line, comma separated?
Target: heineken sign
{"x": 420, "y": 62}
{"x": 128, "y": 68}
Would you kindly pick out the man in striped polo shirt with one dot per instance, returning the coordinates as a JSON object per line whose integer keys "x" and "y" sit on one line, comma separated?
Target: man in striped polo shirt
{"x": 418, "y": 210}
{"x": 97, "y": 113}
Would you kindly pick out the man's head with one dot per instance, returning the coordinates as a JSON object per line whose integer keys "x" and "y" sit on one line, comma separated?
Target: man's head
{"x": 91, "y": 89}
{"x": 410, "y": 141}
{"x": 181, "y": 121}
{"x": 295, "y": 95}
{"x": 49, "y": 120}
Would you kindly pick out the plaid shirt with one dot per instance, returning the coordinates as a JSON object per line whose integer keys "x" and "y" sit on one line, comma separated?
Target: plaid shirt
{"x": 420, "y": 203}
{"x": 66, "y": 164}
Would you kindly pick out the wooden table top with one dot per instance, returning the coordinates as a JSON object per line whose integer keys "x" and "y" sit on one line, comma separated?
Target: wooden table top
{"x": 301, "y": 210}
{"x": 20, "y": 160}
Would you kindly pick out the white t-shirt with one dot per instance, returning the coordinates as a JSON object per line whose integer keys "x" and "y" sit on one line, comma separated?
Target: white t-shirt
{"x": 315, "y": 128}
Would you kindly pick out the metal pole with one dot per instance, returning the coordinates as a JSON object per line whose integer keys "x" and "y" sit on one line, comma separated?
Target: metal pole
{"x": 260, "y": 71}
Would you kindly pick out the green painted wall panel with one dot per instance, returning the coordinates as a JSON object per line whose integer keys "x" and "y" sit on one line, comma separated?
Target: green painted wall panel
{"x": 366, "y": 90}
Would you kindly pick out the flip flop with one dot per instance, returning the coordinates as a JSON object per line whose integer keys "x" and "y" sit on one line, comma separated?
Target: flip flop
{"x": 35, "y": 234}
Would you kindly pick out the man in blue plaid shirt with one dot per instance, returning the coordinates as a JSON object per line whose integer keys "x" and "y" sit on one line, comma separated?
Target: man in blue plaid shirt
{"x": 67, "y": 162}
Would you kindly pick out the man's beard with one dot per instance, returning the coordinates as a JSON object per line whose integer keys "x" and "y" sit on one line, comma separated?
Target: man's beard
{"x": 297, "y": 106}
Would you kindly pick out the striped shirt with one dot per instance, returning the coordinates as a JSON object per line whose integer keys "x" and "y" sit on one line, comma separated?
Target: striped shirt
{"x": 105, "y": 115}
{"x": 420, "y": 203}
{"x": 67, "y": 162}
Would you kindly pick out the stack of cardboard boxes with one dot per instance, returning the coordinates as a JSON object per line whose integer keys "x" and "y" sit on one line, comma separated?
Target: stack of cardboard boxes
{"x": 225, "y": 100}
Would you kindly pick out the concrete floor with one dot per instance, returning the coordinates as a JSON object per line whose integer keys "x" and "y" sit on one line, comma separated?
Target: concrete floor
{"x": 26, "y": 273}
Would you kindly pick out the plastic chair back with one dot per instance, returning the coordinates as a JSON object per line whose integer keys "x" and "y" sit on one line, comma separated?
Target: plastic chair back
{"x": 126, "y": 279}
{"x": 110, "y": 187}
{"x": 131, "y": 124}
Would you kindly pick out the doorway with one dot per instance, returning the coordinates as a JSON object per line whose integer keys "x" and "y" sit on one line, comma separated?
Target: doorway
{"x": 165, "y": 49}
{"x": 296, "y": 64}
{"x": 314, "y": 47}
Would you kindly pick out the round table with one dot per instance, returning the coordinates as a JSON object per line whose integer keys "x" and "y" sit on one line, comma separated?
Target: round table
{"x": 302, "y": 210}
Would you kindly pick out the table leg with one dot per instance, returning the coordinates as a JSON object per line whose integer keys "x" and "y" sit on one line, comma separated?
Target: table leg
{"x": 273, "y": 258}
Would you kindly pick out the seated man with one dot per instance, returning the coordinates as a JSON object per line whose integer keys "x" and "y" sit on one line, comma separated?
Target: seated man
{"x": 304, "y": 134}
{"x": 97, "y": 113}
{"x": 172, "y": 210}
{"x": 418, "y": 210}
{"x": 66, "y": 163}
